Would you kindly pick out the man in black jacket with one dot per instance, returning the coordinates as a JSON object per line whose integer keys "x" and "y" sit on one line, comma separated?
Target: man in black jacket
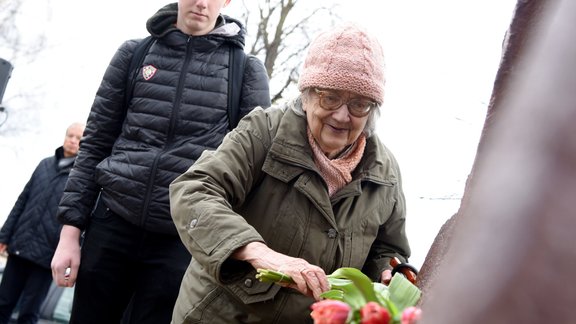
{"x": 30, "y": 233}
{"x": 118, "y": 190}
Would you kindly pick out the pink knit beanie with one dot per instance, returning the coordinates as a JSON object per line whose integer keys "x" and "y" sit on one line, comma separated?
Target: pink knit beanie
{"x": 345, "y": 58}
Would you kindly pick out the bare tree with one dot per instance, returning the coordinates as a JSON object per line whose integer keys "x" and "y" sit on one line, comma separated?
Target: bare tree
{"x": 19, "y": 47}
{"x": 279, "y": 32}
{"x": 13, "y": 45}
{"x": 8, "y": 34}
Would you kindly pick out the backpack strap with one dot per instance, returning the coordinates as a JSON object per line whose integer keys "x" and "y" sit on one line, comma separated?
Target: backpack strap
{"x": 237, "y": 64}
{"x": 135, "y": 63}
{"x": 235, "y": 78}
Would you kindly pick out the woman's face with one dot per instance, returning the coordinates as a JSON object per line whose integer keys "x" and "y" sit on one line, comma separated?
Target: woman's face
{"x": 334, "y": 129}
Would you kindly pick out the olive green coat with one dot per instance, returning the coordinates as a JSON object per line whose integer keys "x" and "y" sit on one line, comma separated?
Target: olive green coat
{"x": 262, "y": 184}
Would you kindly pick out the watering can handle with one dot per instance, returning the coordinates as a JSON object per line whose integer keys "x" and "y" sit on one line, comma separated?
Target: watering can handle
{"x": 408, "y": 270}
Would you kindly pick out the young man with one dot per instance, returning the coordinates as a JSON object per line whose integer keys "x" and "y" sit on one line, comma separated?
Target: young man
{"x": 118, "y": 191}
{"x": 30, "y": 233}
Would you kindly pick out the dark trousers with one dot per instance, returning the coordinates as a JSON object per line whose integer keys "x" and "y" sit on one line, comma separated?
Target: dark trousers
{"x": 127, "y": 271}
{"x": 26, "y": 282}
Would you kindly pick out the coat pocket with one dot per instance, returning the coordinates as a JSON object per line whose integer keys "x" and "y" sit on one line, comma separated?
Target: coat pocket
{"x": 250, "y": 290}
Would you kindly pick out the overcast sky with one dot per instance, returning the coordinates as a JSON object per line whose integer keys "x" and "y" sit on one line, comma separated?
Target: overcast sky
{"x": 441, "y": 59}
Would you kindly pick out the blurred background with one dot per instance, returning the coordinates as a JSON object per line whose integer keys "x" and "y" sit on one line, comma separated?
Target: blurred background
{"x": 441, "y": 60}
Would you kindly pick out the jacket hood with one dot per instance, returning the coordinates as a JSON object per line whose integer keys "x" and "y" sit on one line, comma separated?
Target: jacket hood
{"x": 164, "y": 21}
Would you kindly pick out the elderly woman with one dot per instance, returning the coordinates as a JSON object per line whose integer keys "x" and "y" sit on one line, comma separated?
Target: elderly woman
{"x": 305, "y": 189}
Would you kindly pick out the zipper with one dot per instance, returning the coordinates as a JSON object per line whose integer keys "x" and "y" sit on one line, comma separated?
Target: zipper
{"x": 171, "y": 131}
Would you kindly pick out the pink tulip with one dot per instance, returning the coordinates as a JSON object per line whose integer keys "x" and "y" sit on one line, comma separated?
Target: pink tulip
{"x": 411, "y": 315}
{"x": 373, "y": 313}
{"x": 330, "y": 312}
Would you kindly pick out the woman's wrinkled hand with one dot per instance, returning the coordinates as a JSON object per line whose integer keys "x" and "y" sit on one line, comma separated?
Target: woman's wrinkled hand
{"x": 308, "y": 279}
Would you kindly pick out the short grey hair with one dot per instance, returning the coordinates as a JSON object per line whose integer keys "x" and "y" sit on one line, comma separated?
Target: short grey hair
{"x": 305, "y": 95}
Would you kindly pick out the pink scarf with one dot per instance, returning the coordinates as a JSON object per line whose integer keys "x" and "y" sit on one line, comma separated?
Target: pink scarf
{"x": 337, "y": 172}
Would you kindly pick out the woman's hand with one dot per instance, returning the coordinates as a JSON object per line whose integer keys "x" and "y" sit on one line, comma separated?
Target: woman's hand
{"x": 309, "y": 279}
{"x": 385, "y": 277}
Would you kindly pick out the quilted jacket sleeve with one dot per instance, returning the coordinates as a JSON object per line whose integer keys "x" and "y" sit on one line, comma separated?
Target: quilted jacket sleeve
{"x": 255, "y": 88}
{"x": 102, "y": 129}
{"x": 12, "y": 219}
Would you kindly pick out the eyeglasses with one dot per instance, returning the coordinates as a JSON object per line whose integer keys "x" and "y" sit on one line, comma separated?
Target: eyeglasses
{"x": 332, "y": 101}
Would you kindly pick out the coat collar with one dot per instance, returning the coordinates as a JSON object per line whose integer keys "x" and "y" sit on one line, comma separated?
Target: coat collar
{"x": 290, "y": 154}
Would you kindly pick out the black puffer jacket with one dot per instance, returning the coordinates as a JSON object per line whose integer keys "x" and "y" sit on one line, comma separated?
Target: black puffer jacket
{"x": 31, "y": 231}
{"x": 177, "y": 112}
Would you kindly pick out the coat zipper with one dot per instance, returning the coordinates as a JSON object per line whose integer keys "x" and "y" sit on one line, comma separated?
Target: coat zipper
{"x": 170, "y": 133}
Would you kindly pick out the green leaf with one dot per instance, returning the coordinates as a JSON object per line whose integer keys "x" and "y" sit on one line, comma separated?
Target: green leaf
{"x": 359, "y": 280}
{"x": 346, "y": 292}
{"x": 381, "y": 291}
{"x": 334, "y": 294}
{"x": 403, "y": 293}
